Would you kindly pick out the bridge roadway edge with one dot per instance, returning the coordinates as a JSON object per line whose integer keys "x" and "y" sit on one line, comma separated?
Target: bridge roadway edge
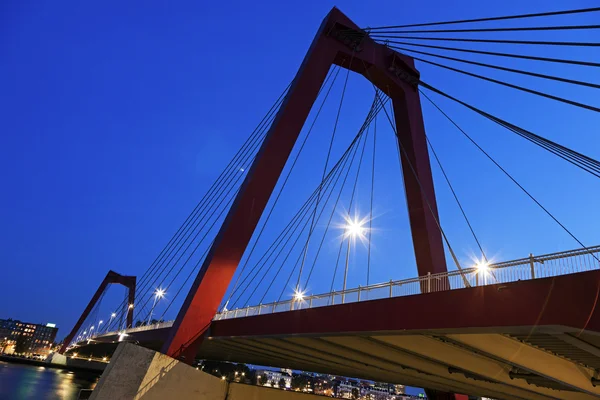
{"x": 407, "y": 333}
{"x": 565, "y": 300}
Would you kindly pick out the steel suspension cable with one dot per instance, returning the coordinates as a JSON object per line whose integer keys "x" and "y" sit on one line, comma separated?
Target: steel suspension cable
{"x": 436, "y": 219}
{"x": 303, "y": 212}
{"x": 500, "y": 18}
{"x": 279, "y": 239}
{"x": 498, "y": 67}
{"x": 584, "y": 162}
{"x": 380, "y": 37}
{"x": 207, "y": 197}
{"x": 335, "y": 182}
{"x": 202, "y": 258}
{"x": 183, "y": 285}
{"x": 343, "y": 159}
{"x": 337, "y": 118}
{"x": 233, "y": 179}
{"x": 362, "y": 153}
{"x": 146, "y": 297}
{"x": 266, "y": 125}
{"x": 510, "y": 85}
{"x": 229, "y": 197}
{"x": 283, "y": 243}
{"x": 371, "y": 200}
{"x": 515, "y": 29}
{"x": 350, "y": 149}
{"x": 218, "y": 187}
{"x": 353, "y": 155}
{"x": 90, "y": 319}
{"x": 508, "y": 175}
{"x": 337, "y": 70}
{"x": 375, "y": 109}
{"x": 462, "y": 210}
{"x": 290, "y": 227}
{"x": 492, "y": 53}
{"x": 327, "y": 191}
{"x": 433, "y": 214}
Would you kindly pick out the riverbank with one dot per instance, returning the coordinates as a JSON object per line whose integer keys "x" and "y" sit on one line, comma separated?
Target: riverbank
{"x": 38, "y": 363}
{"x": 28, "y": 381}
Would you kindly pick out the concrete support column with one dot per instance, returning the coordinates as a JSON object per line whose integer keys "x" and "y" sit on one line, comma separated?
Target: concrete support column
{"x": 137, "y": 373}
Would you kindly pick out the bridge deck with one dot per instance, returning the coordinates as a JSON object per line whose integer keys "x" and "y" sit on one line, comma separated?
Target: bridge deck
{"x": 535, "y": 339}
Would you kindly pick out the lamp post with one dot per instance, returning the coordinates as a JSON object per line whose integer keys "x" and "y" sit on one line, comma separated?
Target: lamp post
{"x": 159, "y": 294}
{"x": 354, "y": 228}
{"x": 298, "y": 297}
{"x": 112, "y": 316}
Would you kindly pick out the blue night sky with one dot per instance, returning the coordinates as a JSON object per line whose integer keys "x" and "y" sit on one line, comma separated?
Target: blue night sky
{"x": 117, "y": 116}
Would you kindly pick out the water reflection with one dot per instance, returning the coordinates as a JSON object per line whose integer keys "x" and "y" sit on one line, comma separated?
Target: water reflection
{"x": 21, "y": 382}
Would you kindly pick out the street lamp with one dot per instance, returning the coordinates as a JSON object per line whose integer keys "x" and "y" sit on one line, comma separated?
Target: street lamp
{"x": 112, "y": 316}
{"x": 353, "y": 229}
{"x": 298, "y": 295}
{"x": 122, "y": 336}
{"x": 482, "y": 268}
{"x": 158, "y": 294}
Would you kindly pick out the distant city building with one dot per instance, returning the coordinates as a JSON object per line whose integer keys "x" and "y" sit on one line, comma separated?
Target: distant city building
{"x": 380, "y": 391}
{"x": 399, "y": 389}
{"x": 346, "y": 388}
{"x": 25, "y": 337}
{"x": 273, "y": 378}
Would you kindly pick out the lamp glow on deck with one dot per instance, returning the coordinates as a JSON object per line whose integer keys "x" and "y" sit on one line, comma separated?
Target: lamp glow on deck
{"x": 355, "y": 228}
{"x": 299, "y": 295}
{"x": 130, "y": 306}
{"x": 122, "y": 336}
{"x": 482, "y": 267}
{"x": 113, "y": 315}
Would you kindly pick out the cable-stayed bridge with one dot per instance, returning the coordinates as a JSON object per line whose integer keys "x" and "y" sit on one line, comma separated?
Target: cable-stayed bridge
{"x": 244, "y": 281}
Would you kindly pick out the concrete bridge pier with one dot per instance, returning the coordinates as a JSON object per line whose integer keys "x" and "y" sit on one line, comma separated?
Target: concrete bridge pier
{"x": 136, "y": 373}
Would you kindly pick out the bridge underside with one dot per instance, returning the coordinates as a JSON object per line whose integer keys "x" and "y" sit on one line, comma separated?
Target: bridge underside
{"x": 537, "y": 339}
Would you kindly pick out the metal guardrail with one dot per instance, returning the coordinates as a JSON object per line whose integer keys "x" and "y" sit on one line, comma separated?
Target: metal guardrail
{"x": 159, "y": 325}
{"x": 532, "y": 267}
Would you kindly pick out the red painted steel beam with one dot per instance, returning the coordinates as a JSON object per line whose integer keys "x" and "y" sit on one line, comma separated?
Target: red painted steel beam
{"x": 382, "y": 66}
{"x": 111, "y": 277}
{"x": 567, "y": 300}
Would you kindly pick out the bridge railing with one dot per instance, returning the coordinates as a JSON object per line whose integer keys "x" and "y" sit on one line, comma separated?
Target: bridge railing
{"x": 532, "y": 267}
{"x": 158, "y": 325}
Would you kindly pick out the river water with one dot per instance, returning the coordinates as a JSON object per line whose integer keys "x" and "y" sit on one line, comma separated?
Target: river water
{"x": 20, "y": 382}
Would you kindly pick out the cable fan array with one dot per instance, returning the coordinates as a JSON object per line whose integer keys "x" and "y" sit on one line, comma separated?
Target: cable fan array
{"x": 300, "y": 256}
